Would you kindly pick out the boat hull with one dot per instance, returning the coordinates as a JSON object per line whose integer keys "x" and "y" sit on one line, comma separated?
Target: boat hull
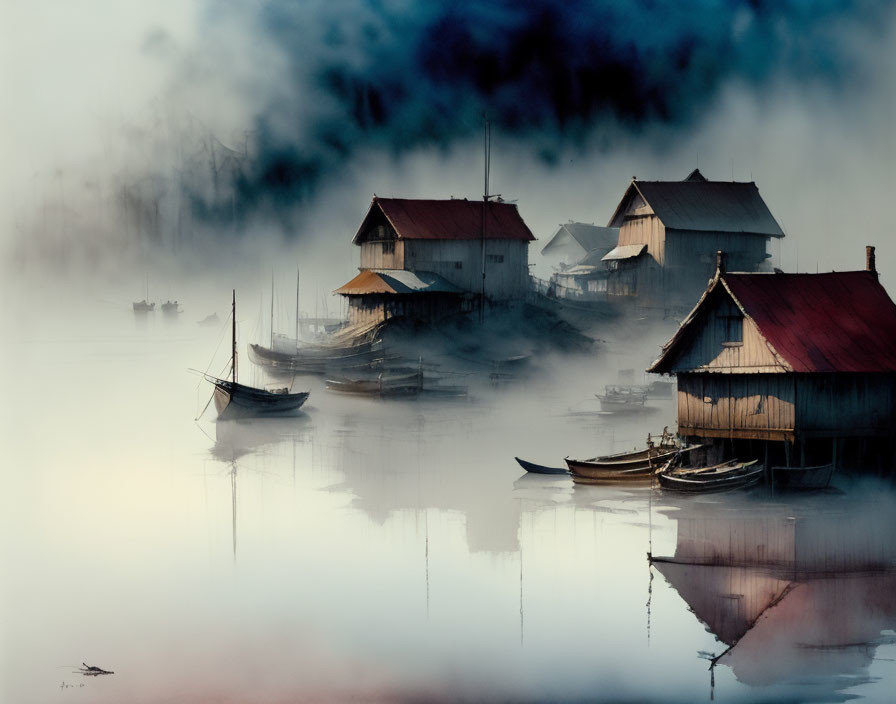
{"x": 736, "y": 478}
{"x": 540, "y": 469}
{"x": 239, "y": 401}
{"x": 646, "y": 460}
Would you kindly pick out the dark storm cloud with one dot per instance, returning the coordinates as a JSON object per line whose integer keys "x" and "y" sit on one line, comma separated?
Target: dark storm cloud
{"x": 394, "y": 76}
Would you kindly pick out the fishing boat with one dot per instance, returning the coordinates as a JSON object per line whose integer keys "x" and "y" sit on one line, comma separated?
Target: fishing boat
{"x": 621, "y": 476}
{"x": 235, "y": 400}
{"x": 653, "y": 456}
{"x": 622, "y": 399}
{"x": 802, "y": 478}
{"x": 540, "y": 468}
{"x": 171, "y": 308}
{"x": 727, "y": 476}
{"x": 383, "y": 385}
{"x": 144, "y": 306}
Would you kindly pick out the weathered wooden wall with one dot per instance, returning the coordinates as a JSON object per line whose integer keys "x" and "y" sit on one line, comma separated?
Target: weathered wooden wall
{"x": 460, "y": 262}
{"x": 709, "y": 350}
{"x": 373, "y": 255}
{"x": 423, "y": 306}
{"x": 846, "y": 405}
{"x": 755, "y": 406}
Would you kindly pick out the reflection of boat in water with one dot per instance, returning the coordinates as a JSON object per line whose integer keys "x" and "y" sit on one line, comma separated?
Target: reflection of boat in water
{"x": 234, "y": 400}
{"x": 721, "y": 477}
{"x": 802, "y": 478}
{"x": 144, "y": 306}
{"x": 540, "y": 468}
{"x": 789, "y": 596}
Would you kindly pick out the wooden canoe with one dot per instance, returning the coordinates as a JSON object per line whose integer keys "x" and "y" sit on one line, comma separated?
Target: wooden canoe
{"x": 539, "y": 468}
{"x": 740, "y": 475}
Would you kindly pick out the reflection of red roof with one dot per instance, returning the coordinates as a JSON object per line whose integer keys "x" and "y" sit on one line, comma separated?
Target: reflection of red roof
{"x": 836, "y": 322}
{"x": 448, "y": 219}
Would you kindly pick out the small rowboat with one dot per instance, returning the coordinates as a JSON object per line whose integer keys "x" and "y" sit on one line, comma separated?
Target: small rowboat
{"x": 622, "y": 476}
{"x": 724, "y": 477}
{"x": 539, "y": 468}
{"x": 647, "y": 460}
{"x": 802, "y": 478}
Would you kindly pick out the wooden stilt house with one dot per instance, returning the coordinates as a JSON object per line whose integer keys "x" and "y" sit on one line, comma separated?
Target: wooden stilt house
{"x": 794, "y": 369}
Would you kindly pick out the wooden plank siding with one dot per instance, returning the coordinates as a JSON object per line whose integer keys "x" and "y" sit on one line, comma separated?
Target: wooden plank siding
{"x": 749, "y": 406}
{"x": 373, "y": 255}
{"x": 710, "y": 350}
{"x": 837, "y": 405}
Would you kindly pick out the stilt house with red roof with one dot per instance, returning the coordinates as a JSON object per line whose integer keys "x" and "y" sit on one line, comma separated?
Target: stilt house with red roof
{"x": 795, "y": 369}
{"x": 427, "y": 259}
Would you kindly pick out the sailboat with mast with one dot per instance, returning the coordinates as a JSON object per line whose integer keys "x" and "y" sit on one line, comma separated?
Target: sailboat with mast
{"x": 235, "y": 400}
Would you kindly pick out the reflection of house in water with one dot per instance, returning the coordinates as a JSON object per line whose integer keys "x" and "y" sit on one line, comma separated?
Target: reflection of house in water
{"x": 766, "y": 361}
{"x": 425, "y": 259}
{"x": 669, "y": 232}
{"x": 791, "y": 596}
{"x": 389, "y": 472}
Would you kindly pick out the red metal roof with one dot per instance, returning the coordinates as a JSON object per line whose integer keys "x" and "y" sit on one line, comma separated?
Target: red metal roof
{"x": 817, "y": 323}
{"x": 836, "y": 322}
{"x": 448, "y": 219}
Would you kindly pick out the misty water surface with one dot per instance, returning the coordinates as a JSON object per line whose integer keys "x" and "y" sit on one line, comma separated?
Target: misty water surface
{"x": 391, "y": 551}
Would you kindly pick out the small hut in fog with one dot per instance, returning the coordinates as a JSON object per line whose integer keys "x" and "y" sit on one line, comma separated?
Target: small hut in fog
{"x": 425, "y": 259}
{"x": 796, "y": 369}
{"x": 574, "y": 241}
{"x": 669, "y": 232}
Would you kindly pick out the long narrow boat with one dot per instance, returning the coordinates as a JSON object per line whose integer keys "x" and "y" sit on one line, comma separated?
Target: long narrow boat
{"x": 739, "y": 475}
{"x": 315, "y": 361}
{"x": 235, "y": 400}
{"x": 621, "y": 476}
{"x": 802, "y": 478}
{"x": 645, "y": 459}
{"x": 540, "y": 468}
{"x": 404, "y": 385}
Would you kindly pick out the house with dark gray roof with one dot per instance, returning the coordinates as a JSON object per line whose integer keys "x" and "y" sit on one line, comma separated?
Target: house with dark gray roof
{"x": 574, "y": 240}
{"x": 669, "y": 232}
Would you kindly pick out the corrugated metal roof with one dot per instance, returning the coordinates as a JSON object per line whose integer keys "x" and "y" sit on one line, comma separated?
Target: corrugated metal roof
{"x": 705, "y": 206}
{"x": 624, "y": 251}
{"x": 448, "y": 219}
{"x": 397, "y": 281}
{"x": 836, "y": 322}
{"x": 816, "y": 323}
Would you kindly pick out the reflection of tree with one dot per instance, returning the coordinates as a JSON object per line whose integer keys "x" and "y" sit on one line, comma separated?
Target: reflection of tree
{"x": 790, "y": 596}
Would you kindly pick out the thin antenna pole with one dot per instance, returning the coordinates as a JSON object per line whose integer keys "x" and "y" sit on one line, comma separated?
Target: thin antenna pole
{"x": 233, "y": 358}
{"x": 272, "y": 308}
{"x": 486, "y": 144}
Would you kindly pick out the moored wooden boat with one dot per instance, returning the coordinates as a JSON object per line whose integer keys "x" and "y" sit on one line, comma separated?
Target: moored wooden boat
{"x": 802, "y": 478}
{"x": 404, "y": 385}
{"x": 648, "y": 459}
{"x": 235, "y": 400}
{"x": 144, "y": 306}
{"x": 622, "y": 399}
{"x": 725, "y": 477}
{"x": 540, "y": 468}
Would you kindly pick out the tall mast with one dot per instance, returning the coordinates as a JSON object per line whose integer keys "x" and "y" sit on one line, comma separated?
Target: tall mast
{"x": 234, "y": 336}
{"x": 297, "y": 307}
{"x": 272, "y": 309}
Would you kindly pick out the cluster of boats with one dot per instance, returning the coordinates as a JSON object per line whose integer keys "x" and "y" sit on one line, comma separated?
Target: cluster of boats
{"x": 666, "y": 463}
{"x": 357, "y": 366}
{"x": 632, "y": 398}
{"x": 168, "y": 307}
